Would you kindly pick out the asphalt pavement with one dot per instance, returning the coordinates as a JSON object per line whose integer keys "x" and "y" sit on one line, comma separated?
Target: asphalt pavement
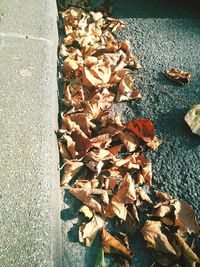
{"x": 163, "y": 34}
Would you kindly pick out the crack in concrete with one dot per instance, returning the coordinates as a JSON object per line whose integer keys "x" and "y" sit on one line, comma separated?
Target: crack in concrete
{"x": 24, "y": 36}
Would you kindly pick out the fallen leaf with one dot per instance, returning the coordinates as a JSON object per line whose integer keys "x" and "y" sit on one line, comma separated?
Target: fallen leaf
{"x": 154, "y": 143}
{"x": 84, "y": 195}
{"x": 70, "y": 145}
{"x": 87, "y": 184}
{"x": 70, "y": 170}
{"x": 129, "y": 141}
{"x": 147, "y": 173}
{"x": 86, "y": 211}
{"x": 125, "y": 195}
{"x": 143, "y": 128}
{"x": 179, "y": 76}
{"x": 88, "y": 231}
{"x": 185, "y": 217}
{"x": 125, "y": 89}
{"x": 83, "y": 122}
{"x": 82, "y": 142}
{"x": 188, "y": 258}
{"x": 143, "y": 195}
{"x": 63, "y": 150}
{"x": 109, "y": 243}
{"x": 155, "y": 239}
{"x": 162, "y": 196}
{"x": 115, "y": 149}
{"x": 101, "y": 141}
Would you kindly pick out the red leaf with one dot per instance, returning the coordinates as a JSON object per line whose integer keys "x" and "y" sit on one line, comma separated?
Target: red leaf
{"x": 143, "y": 128}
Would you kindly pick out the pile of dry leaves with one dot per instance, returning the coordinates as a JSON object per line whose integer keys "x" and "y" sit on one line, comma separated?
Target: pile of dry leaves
{"x": 103, "y": 158}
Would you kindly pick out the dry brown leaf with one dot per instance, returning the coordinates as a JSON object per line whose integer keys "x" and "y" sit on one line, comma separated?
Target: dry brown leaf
{"x": 73, "y": 96}
{"x": 143, "y": 195}
{"x": 105, "y": 98}
{"x": 185, "y": 217}
{"x": 154, "y": 143}
{"x": 82, "y": 142}
{"x": 179, "y": 76}
{"x": 98, "y": 74}
{"x": 84, "y": 195}
{"x": 130, "y": 142}
{"x": 91, "y": 108}
{"x": 115, "y": 149}
{"x": 117, "y": 76}
{"x": 70, "y": 145}
{"x": 162, "y": 210}
{"x": 125, "y": 195}
{"x": 90, "y": 61}
{"x": 83, "y": 122}
{"x": 63, "y": 150}
{"x": 88, "y": 232}
{"x": 99, "y": 155}
{"x": 147, "y": 173}
{"x": 86, "y": 184}
{"x": 125, "y": 89}
{"x": 130, "y": 225}
{"x": 68, "y": 124}
{"x": 101, "y": 141}
{"x": 162, "y": 196}
{"x": 70, "y": 66}
{"x": 70, "y": 170}
{"x": 187, "y": 257}
{"x": 115, "y": 24}
{"x": 109, "y": 243}
{"x": 155, "y": 239}
{"x": 86, "y": 211}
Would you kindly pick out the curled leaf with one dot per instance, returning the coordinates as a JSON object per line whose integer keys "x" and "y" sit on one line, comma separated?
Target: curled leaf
{"x": 70, "y": 170}
{"x": 86, "y": 211}
{"x": 155, "y": 239}
{"x": 109, "y": 243}
{"x": 185, "y": 217}
{"x": 179, "y": 76}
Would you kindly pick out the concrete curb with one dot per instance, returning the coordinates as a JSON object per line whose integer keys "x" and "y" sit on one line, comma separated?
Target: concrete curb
{"x": 29, "y": 194}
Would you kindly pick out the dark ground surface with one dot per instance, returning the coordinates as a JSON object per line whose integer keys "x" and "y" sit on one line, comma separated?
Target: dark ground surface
{"x": 163, "y": 34}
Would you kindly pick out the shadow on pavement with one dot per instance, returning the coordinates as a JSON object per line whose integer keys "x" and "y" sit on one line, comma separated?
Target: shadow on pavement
{"x": 157, "y": 8}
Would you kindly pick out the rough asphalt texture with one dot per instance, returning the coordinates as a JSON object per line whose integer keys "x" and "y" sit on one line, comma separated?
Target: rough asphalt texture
{"x": 29, "y": 191}
{"x": 163, "y": 34}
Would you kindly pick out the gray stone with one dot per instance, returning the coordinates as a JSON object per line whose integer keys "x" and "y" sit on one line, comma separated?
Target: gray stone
{"x": 31, "y": 18}
{"x": 29, "y": 162}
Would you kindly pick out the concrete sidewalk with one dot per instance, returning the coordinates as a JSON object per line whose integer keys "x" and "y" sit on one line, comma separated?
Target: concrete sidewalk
{"x": 29, "y": 191}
